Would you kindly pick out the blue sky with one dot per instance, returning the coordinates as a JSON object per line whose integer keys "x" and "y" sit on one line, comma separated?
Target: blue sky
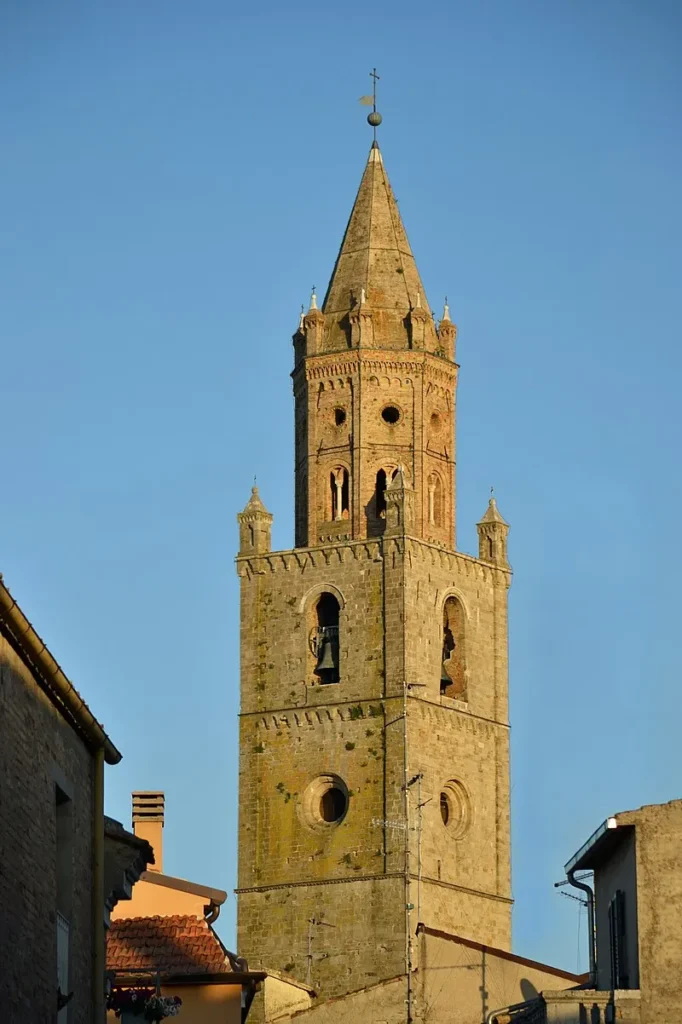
{"x": 175, "y": 178}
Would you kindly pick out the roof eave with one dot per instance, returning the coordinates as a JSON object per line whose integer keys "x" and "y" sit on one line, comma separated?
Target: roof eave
{"x": 50, "y": 676}
{"x": 592, "y": 850}
{"x": 217, "y": 896}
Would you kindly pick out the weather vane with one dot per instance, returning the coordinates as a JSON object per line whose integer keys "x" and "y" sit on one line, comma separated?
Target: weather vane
{"x": 375, "y": 117}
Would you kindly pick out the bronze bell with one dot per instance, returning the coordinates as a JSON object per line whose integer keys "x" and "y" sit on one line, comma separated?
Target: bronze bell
{"x": 445, "y": 679}
{"x": 325, "y": 660}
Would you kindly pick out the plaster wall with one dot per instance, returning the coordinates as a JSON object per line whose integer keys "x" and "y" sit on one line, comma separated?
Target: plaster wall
{"x": 203, "y": 1004}
{"x": 149, "y": 899}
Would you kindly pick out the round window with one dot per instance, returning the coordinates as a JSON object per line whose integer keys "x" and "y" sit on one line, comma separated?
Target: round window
{"x": 455, "y": 809}
{"x": 325, "y": 802}
{"x": 436, "y": 422}
{"x": 339, "y": 416}
{"x": 333, "y": 804}
{"x": 390, "y": 414}
{"x": 444, "y": 808}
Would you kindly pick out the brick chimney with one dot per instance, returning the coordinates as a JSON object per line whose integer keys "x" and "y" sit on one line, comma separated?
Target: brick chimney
{"x": 148, "y": 810}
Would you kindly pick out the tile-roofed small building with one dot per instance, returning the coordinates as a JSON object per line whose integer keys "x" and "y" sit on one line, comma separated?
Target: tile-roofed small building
{"x": 174, "y": 945}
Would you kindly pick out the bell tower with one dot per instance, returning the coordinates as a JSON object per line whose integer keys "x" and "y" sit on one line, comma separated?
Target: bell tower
{"x": 374, "y": 737}
{"x": 374, "y": 385}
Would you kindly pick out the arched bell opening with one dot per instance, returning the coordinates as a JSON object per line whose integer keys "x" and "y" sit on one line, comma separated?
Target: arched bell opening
{"x": 376, "y": 508}
{"x": 453, "y": 675}
{"x": 324, "y": 639}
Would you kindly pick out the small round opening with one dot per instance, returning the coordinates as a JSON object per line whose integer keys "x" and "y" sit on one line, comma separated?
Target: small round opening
{"x": 390, "y": 414}
{"x": 455, "y": 809}
{"x": 436, "y": 422}
{"x": 339, "y": 417}
{"x": 332, "y": 805}
{"x": 324, "y": 803}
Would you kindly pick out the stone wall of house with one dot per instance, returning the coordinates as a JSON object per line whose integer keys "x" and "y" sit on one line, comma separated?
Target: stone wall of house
{"x": 39, "y": 752}
{"x": 460, "y": 982}
{"x": 383, "y": 1003}
{"x": 658, "y": 841}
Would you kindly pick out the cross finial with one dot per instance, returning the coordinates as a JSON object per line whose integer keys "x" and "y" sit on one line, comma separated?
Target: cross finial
{"x": 375, "y": 78}
{"x": 375, "y": 117}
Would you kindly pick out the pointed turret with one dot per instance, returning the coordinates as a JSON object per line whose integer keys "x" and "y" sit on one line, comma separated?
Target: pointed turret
{"x": 375, "y": 269}
{"x": 255, "y": 524}
{"x": 447, "y": 334}
{"x": 399, "y": 503}
{"x": 492, "y": 536}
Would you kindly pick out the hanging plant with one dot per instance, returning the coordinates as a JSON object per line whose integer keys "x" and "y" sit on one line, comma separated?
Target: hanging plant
{"x": 144, "y": 1003}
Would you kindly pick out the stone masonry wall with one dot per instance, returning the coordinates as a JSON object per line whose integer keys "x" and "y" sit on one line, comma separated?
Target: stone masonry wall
{"x": 295, "y": 730}
{"x": 461, "y": 747}
{"x": 659, "y": 908}
{"x": 422, "y": 388}
{"x": 37, "y": 747}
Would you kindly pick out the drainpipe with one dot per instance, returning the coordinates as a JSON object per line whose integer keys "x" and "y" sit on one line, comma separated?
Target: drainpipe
{"x": 211, "y": 911}
{"x": 570, "y": 875}
{"x": 98, "y": 936}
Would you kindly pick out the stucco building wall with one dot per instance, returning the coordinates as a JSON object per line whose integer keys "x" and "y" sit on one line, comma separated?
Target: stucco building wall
{"x": 149, "y": 899}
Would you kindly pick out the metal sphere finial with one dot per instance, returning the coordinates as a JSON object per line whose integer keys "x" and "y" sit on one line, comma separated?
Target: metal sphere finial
{"x": 374, "y": 119}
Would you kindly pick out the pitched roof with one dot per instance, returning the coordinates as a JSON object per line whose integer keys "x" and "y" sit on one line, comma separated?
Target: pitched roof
{"x": 503, "y": 954}
{"x": 215, "y": 896}
{"x": 174, "y": 945}
{"x": 375, "y": 264}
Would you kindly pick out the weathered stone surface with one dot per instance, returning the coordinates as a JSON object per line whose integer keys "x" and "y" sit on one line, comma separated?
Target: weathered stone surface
{"x": 423, "y": 777}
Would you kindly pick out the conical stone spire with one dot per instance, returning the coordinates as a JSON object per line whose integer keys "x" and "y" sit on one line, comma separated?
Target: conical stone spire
{"x": 375, "y": 261}
{"x": 255, "y": 524}
{"x": 492, "y": 536}
{"x": 492, "y": 514}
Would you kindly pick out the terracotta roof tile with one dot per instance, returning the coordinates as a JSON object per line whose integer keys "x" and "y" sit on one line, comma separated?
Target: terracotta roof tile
{"x": 178, "y": 944}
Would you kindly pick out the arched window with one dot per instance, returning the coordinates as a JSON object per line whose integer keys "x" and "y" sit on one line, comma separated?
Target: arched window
{"x": 453, "y": 676}
{"x": 435, "y": 490}
{"x": 324, "y": 639}
{"x": 340, "y": 492}
{"x": 376, "y": 507}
